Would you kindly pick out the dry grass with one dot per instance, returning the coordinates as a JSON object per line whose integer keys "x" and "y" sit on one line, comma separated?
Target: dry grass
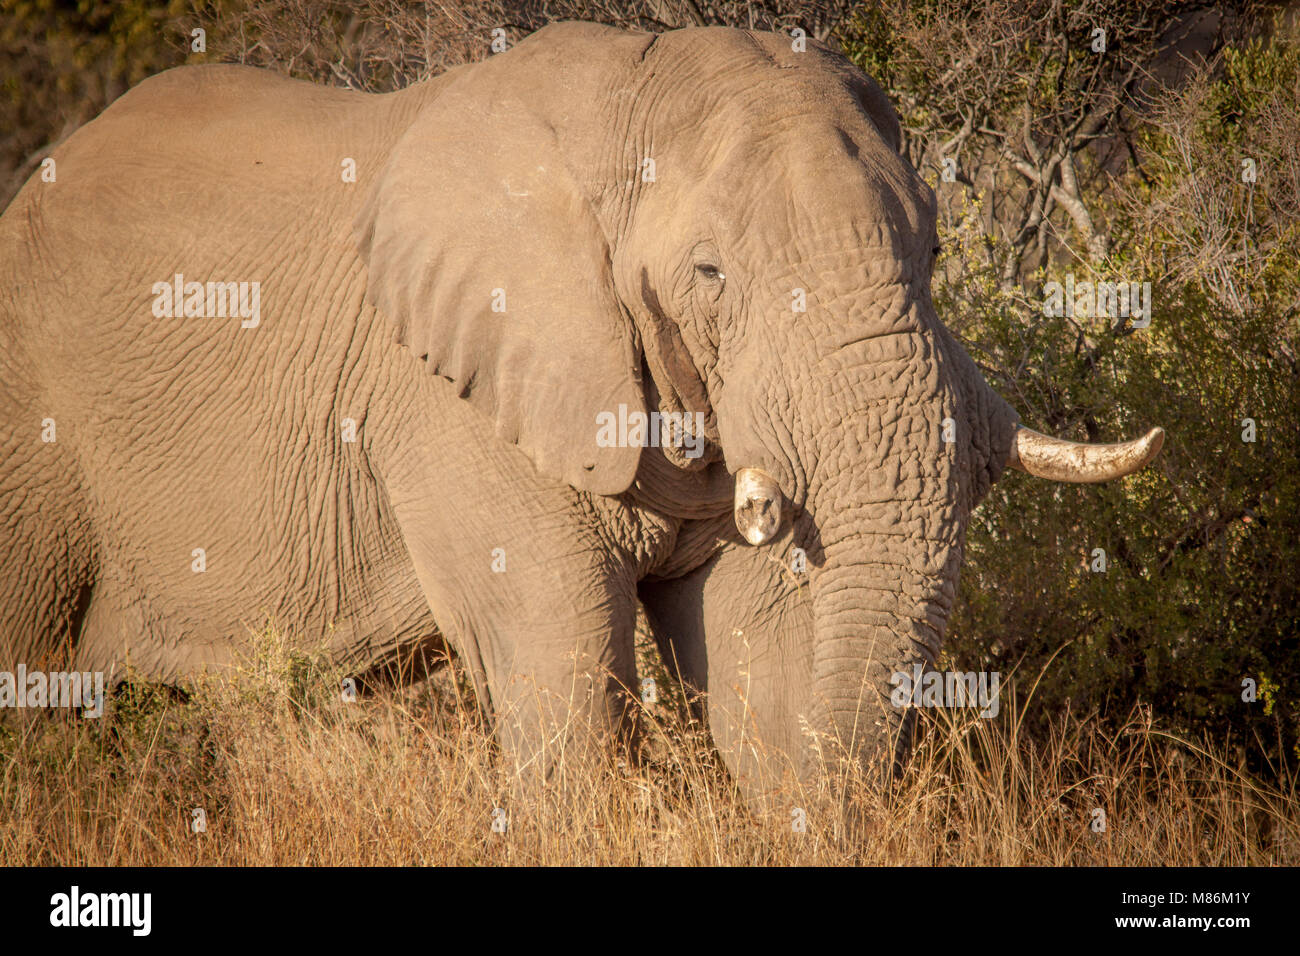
{"x": 288, "y": 773}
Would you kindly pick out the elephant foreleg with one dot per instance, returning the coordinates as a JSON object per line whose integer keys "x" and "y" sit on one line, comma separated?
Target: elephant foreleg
{"x": 738, "y": 630}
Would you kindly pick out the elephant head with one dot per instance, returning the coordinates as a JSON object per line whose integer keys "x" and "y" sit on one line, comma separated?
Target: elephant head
{"x": 716, "y": 222}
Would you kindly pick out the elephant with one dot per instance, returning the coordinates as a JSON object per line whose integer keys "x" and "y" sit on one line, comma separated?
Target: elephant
{"x": 607, "y": 321}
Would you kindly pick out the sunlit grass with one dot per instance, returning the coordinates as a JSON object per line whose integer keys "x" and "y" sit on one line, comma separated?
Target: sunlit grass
{"x": 287, "y": 772}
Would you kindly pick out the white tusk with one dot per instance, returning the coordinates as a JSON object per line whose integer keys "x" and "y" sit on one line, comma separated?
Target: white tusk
{"x": 1053, "y": 458}
{"x": 758, "y": 505}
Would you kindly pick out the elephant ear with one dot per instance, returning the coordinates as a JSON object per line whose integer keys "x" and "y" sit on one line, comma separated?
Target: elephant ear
{"x": 484, "y": 252}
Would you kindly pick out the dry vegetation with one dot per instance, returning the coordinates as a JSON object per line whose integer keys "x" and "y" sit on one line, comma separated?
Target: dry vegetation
{"x": 288, "y": 773}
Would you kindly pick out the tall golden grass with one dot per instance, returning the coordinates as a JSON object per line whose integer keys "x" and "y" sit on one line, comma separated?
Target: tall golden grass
{"x": 288, "y": 773}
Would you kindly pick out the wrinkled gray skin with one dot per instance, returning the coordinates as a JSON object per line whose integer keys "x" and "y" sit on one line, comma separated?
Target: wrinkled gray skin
{"x": 774, "y": 170}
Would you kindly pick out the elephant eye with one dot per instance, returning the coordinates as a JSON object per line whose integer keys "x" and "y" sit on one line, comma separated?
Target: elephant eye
{"x": 709, "y": 272}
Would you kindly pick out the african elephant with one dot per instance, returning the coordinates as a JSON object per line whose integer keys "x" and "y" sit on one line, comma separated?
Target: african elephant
{"x": 607, "y": 319}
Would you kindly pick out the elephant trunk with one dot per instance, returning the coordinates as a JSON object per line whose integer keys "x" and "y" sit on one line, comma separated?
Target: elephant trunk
{"x": 890, "y": 524}
{"x": 880, "y": 608}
